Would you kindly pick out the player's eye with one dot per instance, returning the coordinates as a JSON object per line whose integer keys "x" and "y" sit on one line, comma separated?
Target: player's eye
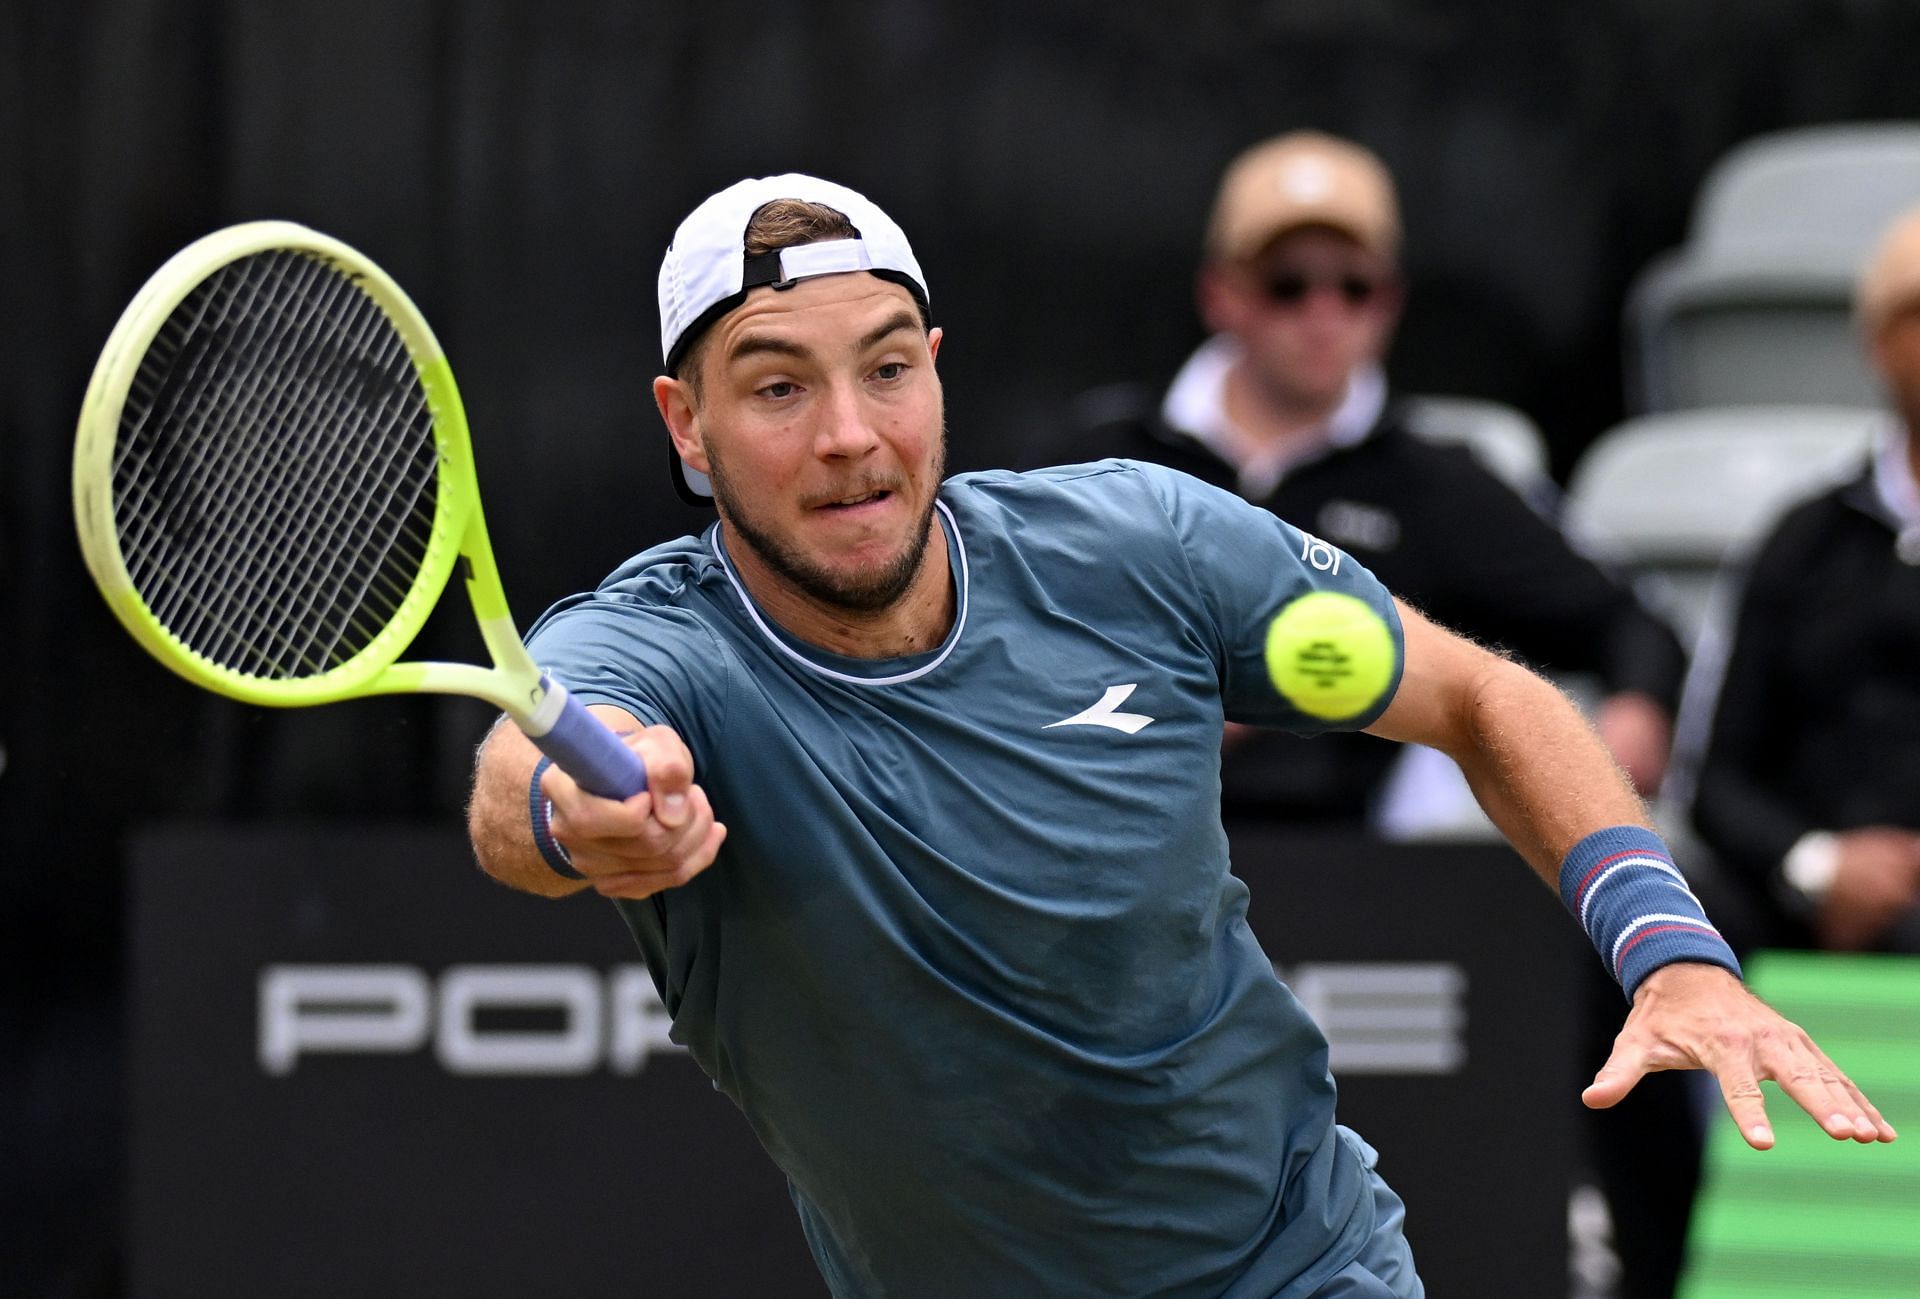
{"x": 778, "y": 390}
{"x": 890, "y": 371}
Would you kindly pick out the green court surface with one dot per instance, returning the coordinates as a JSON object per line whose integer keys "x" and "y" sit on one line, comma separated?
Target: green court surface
{"x": 1816, "y": 1218}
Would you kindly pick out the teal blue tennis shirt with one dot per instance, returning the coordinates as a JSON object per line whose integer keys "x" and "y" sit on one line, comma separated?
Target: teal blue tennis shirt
{"x": 971, "y": 961}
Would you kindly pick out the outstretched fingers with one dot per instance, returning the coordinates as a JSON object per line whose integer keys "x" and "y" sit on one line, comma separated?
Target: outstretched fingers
{"x": 1740, "y": 1089}
{"x": 1699, "y": 1017}
{"x": 1817, "y": 1085}
{"x": 1776, "y": 1049}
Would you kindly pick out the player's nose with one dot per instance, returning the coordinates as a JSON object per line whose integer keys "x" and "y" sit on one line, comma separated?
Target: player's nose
{"x": 846, "y": 429}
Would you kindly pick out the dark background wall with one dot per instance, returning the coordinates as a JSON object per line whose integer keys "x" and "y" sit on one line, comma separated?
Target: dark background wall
{"x": 519, "y": 167}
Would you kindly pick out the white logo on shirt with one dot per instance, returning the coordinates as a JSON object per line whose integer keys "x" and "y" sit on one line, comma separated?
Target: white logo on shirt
{"x": 1104, "y": 714}
{"x": 1319, "y": 554}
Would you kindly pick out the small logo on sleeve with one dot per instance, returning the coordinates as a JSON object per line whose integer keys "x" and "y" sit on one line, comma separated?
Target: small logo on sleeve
{"x": 1320, "y": 555}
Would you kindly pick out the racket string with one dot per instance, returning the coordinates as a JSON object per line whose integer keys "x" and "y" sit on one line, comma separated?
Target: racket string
{"x": 196, "y": 436}
{"x": 276, "y": 474}
{"x": 304, "y": 547}
{"x": 213, "y": 592}
{"x": 268, "y": 523}
{"x": 356, "y": 510}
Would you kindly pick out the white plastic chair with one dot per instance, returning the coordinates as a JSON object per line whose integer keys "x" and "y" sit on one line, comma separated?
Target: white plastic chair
{"x": 1502, "y": 437}
{"x": 1677, "y": 497}
{"x": 1757, "y": 305}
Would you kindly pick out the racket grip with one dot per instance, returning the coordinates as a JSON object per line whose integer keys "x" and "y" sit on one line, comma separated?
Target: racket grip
{"x": 581, "y": 745}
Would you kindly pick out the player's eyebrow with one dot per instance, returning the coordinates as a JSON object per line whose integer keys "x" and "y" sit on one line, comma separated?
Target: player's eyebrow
{"x": 892, "y": 325}
{"x": 756, "y": 344}
{"x": 772, "y": 344}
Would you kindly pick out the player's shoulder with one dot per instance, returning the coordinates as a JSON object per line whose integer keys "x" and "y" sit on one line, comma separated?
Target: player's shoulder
{"x": 671, "y": 573}
{"x": 1144, "y": 514}
{"x": 671, "y": 587}
{"x": 1117, "y": 487}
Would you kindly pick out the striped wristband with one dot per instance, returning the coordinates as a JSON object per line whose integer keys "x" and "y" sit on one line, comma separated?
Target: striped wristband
{"x": 1636, "y": 907}
{"x": 540, "y": 816}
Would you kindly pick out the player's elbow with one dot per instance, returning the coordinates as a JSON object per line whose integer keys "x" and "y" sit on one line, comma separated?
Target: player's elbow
{"x": 1469, "y": 705}
{"x": 1494, "y": 707}
{"x": 1508, "y": 731}
{"x": 1455, "y": 695}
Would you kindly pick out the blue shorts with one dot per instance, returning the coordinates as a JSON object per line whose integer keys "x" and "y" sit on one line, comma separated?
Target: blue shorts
{"x": 1384, "y": 1268}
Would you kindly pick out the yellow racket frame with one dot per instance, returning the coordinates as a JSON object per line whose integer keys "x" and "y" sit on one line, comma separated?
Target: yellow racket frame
{"x": 458, "y": 535}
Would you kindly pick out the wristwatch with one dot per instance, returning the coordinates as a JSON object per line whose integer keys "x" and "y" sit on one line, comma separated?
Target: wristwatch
{"x": 1811, "y": 864}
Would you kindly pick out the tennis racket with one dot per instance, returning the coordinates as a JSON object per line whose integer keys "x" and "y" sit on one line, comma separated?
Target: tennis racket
{"x": 273, "y": 484}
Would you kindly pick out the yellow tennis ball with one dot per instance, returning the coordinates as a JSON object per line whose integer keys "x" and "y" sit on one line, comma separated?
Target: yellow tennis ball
{"x": 1330, "y": 654}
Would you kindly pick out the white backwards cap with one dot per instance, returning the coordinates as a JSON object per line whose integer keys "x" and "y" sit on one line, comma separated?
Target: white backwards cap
{"x": 707, "y": 271}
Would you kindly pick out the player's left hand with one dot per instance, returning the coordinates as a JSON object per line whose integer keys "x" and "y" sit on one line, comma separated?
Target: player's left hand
{"x": 1695, "y": 1016}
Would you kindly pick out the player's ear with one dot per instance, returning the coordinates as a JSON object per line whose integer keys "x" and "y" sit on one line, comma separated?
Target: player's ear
{"x": 934, "y": 336}
{"x": 678, "y": 408}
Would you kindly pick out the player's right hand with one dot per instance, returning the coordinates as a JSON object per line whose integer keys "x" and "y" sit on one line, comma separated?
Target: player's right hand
{"x": 656, "y": 840}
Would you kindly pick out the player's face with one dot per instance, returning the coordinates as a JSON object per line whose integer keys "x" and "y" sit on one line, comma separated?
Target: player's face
{"x": 819, "y": 421}
{"x": 1309, "y": 310}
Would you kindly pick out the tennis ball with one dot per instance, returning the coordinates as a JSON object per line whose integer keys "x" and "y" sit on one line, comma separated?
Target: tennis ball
{"x": 1330, "y": 654}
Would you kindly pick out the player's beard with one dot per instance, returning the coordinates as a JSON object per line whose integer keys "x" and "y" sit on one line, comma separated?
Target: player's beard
{"x": 861, "y": 594}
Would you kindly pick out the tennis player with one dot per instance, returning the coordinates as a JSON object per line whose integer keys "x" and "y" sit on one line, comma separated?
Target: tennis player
{"x": 931, "y": 872}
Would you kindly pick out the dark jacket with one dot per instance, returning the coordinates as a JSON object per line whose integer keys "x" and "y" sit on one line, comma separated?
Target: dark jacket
{"x": 1817, "y": 726}
{"x": 1442, "y": 532}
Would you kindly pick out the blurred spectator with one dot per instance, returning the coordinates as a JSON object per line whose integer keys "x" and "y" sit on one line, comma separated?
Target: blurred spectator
{"x": 1810, "y": 788}
{"x": 1287, "y": 404}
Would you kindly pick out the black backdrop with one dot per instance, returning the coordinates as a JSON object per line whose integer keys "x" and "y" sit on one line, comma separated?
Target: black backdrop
{"x": 423, "y": 1151}
{"x": 519, "y": 166}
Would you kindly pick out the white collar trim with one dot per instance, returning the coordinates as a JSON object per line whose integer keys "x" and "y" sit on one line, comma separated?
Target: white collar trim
{"x": 778, "y": 642}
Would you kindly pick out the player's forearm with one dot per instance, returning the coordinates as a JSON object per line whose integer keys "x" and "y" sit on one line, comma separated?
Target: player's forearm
{"x": 1538, "y": 769}
{"x": 497, "y": 815}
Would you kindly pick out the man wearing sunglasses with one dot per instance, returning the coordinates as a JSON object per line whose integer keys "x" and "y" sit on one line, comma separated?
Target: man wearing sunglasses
{"x": 1287, "y": 404}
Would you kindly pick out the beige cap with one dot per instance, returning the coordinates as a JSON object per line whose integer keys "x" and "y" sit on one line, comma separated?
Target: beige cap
{"x": 1303, "y": 178}
{"x": 1891, "y": 280}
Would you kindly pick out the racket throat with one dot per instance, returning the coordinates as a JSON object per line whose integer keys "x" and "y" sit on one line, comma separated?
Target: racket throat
{"x": 549, "y": 701}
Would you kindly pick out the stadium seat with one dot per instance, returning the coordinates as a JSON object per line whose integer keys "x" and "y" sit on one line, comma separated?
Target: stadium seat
{"x": 1504, "y": 439}
{"x": 1757, "y": 305}
{"x": 1671, "y": 499}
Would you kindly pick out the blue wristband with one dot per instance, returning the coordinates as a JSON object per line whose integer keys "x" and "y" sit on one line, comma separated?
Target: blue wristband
{"x": 1635, "y": 905}
{"x": 539, "y": 815}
